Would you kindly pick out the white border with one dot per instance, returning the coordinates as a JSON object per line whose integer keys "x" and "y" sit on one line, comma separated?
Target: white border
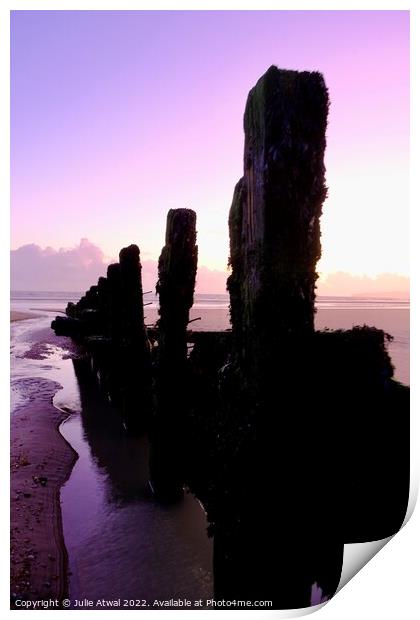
{"x": 388, "y": 585}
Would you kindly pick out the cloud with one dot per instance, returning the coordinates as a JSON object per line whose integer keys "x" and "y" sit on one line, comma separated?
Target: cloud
{"x": 207, "y": 281}
{"x": 211, "y": 280}
{"x": 346, "y": 284}
{"x": 33, "y": 268}
{"x": 75, "y": 269}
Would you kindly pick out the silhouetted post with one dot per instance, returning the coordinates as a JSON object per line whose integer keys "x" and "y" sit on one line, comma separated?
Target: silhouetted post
{"x": 92, "y": 297}
{"x": 175, "y": 286}
{"x": 131, "y": 301}
{"x": 177, "y": 271}
{"x": 103, "y": 300}
{"x": 134, "y": 345}
{"x": 71, "y": 310}
{"x": 274, "y": 218}
{"x": 115, "y": 292}
{"x": 274, "y": 247}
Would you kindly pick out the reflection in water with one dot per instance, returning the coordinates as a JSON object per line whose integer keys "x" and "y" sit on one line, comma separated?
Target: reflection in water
{"x": 121, "y": 543}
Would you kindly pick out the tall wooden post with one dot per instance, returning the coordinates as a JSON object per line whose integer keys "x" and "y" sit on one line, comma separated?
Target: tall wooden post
{"x": 131, "y": 301}
{"x": 135, "y": 362}
{"x": 175, "y": 286}
{"x": 114, "y": 292}
{"x": 274, "y": 247}
{"x": 274, "y": 218}
{"x": 177, "y": 271}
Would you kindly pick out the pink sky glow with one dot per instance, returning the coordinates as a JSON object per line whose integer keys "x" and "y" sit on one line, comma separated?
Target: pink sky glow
{"x": 118, "y": 116}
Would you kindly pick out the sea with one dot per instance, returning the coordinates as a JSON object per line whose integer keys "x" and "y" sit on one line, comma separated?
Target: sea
{"x": 211, "y": 312}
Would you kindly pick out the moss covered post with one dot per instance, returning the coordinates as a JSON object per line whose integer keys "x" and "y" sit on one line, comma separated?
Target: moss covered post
{"x": 265, "y": 395}
{"x": 175, "y": 286}
{"x": 274, "y": 218}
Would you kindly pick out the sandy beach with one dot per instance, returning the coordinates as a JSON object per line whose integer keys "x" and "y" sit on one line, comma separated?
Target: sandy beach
{"x": 15, "y": 315}
{"x": 41, "y": 461}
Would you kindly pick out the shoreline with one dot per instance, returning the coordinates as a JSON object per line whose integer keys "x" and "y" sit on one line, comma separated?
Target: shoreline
{"x": 17, "y": 315}
{"x": 41, "y": 462}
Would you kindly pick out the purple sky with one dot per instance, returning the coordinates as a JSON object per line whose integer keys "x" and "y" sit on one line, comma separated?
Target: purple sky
{"x": 119, "y": 116}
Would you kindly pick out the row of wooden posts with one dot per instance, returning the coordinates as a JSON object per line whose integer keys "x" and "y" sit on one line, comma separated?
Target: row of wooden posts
{"x": 261, "y": 423}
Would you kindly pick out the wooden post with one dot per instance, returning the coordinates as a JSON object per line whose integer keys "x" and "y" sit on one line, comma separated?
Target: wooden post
{"x": 131, "y": 301}
{"x": 135, "y": 362}
{"x": 274, "y": 247}
{"x": 175, "y": 286}
{"x": 114, "y": 289}
{"x": 177, "y": 271}
{"x": 274, "y": 218}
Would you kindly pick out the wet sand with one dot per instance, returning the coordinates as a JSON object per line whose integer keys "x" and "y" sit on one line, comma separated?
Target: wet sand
{"x": 16, "y": 315}
{"x": 41, "y": 461}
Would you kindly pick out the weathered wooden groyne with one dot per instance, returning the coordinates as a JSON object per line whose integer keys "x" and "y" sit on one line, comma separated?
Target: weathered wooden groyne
{"x": 274, "y": 248}
{"x": 175, "y": 287}
{"x": 295, "y": 441}
{"x": 109, "y": 321}
{"x": 274, "y": 217}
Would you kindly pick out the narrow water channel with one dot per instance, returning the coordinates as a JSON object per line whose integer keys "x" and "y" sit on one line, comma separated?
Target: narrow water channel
{"x": 121, "y": 543}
